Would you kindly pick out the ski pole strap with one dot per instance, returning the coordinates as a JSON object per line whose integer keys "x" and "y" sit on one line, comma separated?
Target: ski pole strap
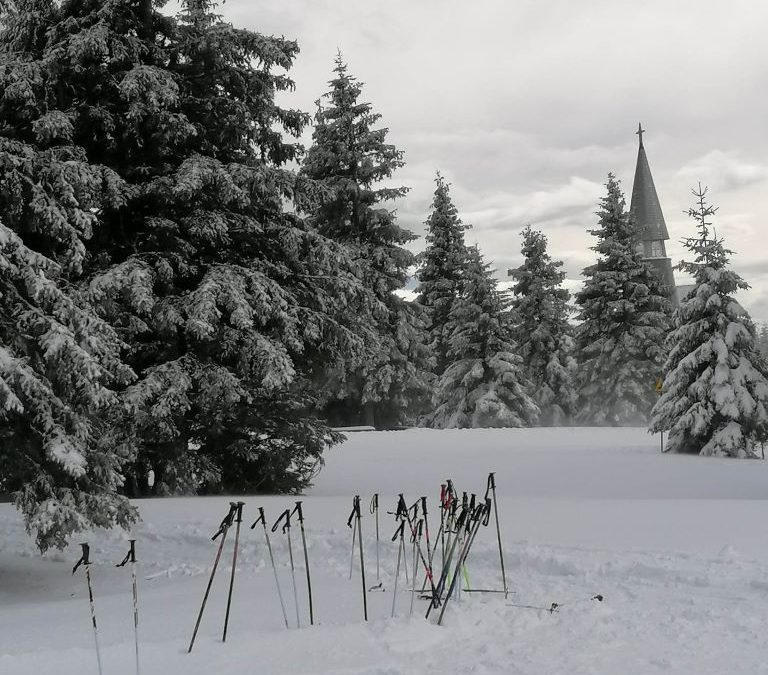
{"x": 260, "y": 519}
{"x": 415, "y": 508}
{"x": 83, "y": 558}
{"x": 355, "y": 510}
{"x": 130, "y": 557}
{"x": 287, "y": 515}
{"x": 402, "y": 509}
{"x": 374, "y": 503}
{"x": 299, "y": 513}
{"x": 487, "y": 516}
{"x": 226, "y": 522}
{"x": 491, "y": 485}
{"x": 238, "y": 507}
{"x": 399, "y": 531}
{"x": 417, "y": 531}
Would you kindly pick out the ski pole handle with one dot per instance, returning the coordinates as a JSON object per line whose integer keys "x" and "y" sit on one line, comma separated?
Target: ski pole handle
{"x": 355, "y": 510}
{"x": 287, "y": 515}
{"x": 374, "y": 503}
{"x": 130, "y": 557}
{"x": 260, "y": 519}
{"x": 226, "y": 523}
{"x": 472, "y": 502}
{"x": 238, "y": 510}
{"x": 402, "y": 508}
{"x": 299, "y": 513}
{"x": 424, "y": 506}
{"x": 84, "y": 558}
{"x": 487, "y": 516}
{"x": 491, "y": 483}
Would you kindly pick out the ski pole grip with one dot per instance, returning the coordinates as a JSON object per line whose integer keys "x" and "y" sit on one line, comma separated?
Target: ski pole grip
{"x": 285, "y": 514}
{"x": 299, "y": 513}
{"x": 260, "y": 519}
{"x": 226, "y": 521}
{"x": 487, "y": 516}
{"x": 424, "y": 506}
{"x": 83, "y": 558}
{"x": 130, "y": 557}
{"x": 238, "y": 507}
{"x": 374, "y": 502}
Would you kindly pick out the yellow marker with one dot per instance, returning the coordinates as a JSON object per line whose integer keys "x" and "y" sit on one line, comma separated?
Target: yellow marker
{"x": 659, "y": 385}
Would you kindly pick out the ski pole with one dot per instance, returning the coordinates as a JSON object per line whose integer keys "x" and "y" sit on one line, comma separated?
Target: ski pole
{"x": 85, "y": 562}
{"x": 398, "y": 534}
{"x": 450, "y": 550}
{"x": 287, "y": 531}
{"x": 492, "y": 488}
{"x": 262, "y": 519}
{"x": 299, "y": 513}
{"x": 130, "y": 557}
{"x": 354, "y": 541}
{"x": 480, "y": 517}
{"x": 224, "y": 526}
{"x": 426, "y": 531}
{"x": 238, "y": 519}
{"x": 418, "y": 533}
{"x": 358, "y": 524}
{"x": 375, "y": 512}
{"x": 403, "y": 509}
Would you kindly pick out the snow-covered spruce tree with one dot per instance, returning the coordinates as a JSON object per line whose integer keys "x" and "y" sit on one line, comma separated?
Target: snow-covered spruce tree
{"x": 349, "y": 159}
{"x": 624, "y": 317}
{"x": 542, "y": 332}
{"x": 231, "y": 305}
{"x": 715, "y": 395}
{"x": 441, "y": 270}
{"x": 484, "y": 384}
{"x": 61, "y": 452}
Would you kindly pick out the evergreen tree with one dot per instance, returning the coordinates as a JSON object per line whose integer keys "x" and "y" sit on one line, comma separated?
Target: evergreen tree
{"x": 715, "y": 394}
{"x": 142, "y": 179}
{"x": 763, "y": 341}
{"x": 349, "y": 159}
{"x": 540, "y": 307}
{"x": 59, "y": 362}
{"x": 441, "y": 270}
{"x": 624, "y": 317}
{"x": 484, "y": 384}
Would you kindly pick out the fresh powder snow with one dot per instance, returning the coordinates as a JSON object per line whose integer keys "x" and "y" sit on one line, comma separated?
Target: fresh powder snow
{"x": 676, "y": 545}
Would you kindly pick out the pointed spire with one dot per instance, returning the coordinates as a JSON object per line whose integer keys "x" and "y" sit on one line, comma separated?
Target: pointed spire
{"x": 645, "y": 206}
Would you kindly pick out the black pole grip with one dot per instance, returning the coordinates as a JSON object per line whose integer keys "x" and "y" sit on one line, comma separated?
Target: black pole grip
{"x": 399, "y": 531}
{"x": 260, "y": 519}
{"x": 226, "y": 521}
{"x": 424, "y": 506}
{"x": 84, "y": 558}
{"x": 130, "y": 557}
{"x": 355, "y": 510}
{"x": 374, "y": 502}
{"x": 299, "y": 513}
{"x": 487, "y": 516}
{"x": 287, "y": 515}
{"x": 238, "y": 506}
{"x": 402, "y": 508}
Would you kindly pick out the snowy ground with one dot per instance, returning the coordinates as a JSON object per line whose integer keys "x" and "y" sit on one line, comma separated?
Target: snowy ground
{"x": 678, "y": 547}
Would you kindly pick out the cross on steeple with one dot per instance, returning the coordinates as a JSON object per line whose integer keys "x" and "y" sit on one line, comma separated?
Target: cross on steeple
{"x": 640, "y": 131}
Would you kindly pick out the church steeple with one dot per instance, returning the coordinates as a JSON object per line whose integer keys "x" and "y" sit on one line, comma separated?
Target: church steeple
{"x": 646, "y": 212}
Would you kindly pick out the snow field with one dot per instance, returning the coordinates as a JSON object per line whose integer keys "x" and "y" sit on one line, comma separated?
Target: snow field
{"x": 677, "y": 545}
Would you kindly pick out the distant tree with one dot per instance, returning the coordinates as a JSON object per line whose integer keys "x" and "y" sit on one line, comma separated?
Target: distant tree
{"x": 441, "y": 270}
{"x": 349, "y": 159}
{"x": 484, "y": 384}
{"x": 624, "y": 319}
{"x": 542, "y": 332}
{"x": 715, "y": 395}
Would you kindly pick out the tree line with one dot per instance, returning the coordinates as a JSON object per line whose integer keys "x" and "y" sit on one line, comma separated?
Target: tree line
{"x": 187, "y": 293}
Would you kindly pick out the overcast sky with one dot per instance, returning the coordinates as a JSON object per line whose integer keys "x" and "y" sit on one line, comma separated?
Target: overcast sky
{"x": 526, "y": 105}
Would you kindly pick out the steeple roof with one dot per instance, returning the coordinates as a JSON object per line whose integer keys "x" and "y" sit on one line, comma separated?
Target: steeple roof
{"x": 645, "y": 206}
